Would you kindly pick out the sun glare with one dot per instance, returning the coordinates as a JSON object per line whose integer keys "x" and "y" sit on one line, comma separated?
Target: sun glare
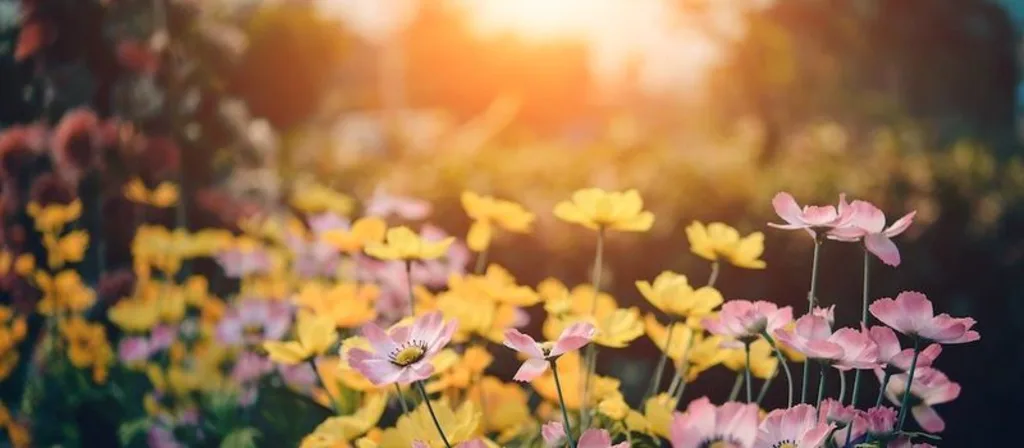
{"x": 543, "y": 18}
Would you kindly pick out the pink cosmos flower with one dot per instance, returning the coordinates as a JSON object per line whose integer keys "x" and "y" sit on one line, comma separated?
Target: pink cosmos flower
{"x": 540, "y": 355}
{"x": 731, "y": 425}
{"x": 402, "y": 354}
{"x": 890, "y": 354}
{"x": 811, "y": 218}
{"x": 880, "y": 420}
{"x": 250, "y": 366}
{"x": 133, "y": 349}
{"x": 252, "y": 321}
{"x": 865, "y": 222}
{"x": 930, "y": 387}
{"x": 384, "y": 205}
{"x": 475, "y": 443}
{"x": 238, "y": 263}
{"x": 554, "y": 436}
{"x": 911, "y": 314}
{"x": 313, "y": 258}
{"x": 796, "y": 427}
{"x": 904, "y": 442}
{"x": 323, "y": 222}
{"x": 744, "y": 320}
{"x": 844, "y": 349}
{"x": 846, "y": 418}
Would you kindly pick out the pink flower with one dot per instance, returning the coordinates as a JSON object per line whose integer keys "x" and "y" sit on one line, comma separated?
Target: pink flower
{"x": 846, "y": 418}
{"x": 746, "y": 320}
{"x": 327, "y": 221}
{"x": 572, "y": 338}
{"x": 238, "y": 263}
{"x": 890, "y": 354}
{"x": 904, "y": 442}
{"x": 133, "y": 349}
{"x": 475, "y": 443}
{"x": 553, "y": 434}
{"x": 796, "y": 427}
{"x": 403, "y": 353}
{"x": 731, "y": 425}
{"x": 911, "y": 314}
{"x": 250, "y": 366}
{"x": 383, "y": 205}
{"x": 864, "y": 221}
{"x": 598, "y": 438}
{"x": 844, "y": 349}
{"x": 312, "y": 259}
{"x": 252, "y": 321}
{"x": 810, "y": 218}
{"x": 880, "y": 420}
{"x": 930, "y": 387}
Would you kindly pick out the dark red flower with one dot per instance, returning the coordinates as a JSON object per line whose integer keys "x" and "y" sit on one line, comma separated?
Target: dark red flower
{"x": 76, "y": 142}
{"x": 159, "y": 159}
{"x": 138, "y": 57}
{"x": 18, "y": 147}
{"x": 50, "y": 188}
{"x": 30, "y": 39}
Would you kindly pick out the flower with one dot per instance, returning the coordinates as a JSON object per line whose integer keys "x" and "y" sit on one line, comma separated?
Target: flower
{"x": 64, "y": 291}
{"x": 890, "y": 354}
{"x": 539, "y": 355}
{"x": 460, "y": 425}
{"x": 315, "y": 198}
{"x": 866, "y": 222}
{"x": 672, "y": 294}
{"x": 796, "y": 427}
{"x": 403, "y": 353}
{"x": 762, "y": 359}
{"x": 349, "y": 304}
{"x": 338, "y": 431}
{"x": 401, "y": 243}
{"x": 87, "y": 346}
{"x": 731, "y": 425}
{"x": 745, "y": 320}
{"x": 880, "y": 420}
{"x": 554, "y": 436}
{"x": 252, "y": 321}
{"x": 845, "y": 348}
{"x": 596, "y": 209}
{"x": 911, "y": 314}
{"x": 505, "y": 405}
{"x": 929, "y": 388}
{"x": 164, "y": 195}
{"x": 487, "y": 211}
{"x": 315, "y": 335}
{"x": 700, "y": 351}
{"x": 353, "y": 239}
{"x": 811, "y": 218}
{"x": 383, "y": 204}
{"x": 53, "y": 217}
{"x": 719, "y": 241}
{"x": 572, "y": 378}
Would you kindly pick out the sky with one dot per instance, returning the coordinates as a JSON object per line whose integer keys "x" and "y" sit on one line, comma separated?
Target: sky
{"x": 671, "y": 54}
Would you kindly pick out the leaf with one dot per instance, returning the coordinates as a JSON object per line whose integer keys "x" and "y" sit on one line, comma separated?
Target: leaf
{"x": 129, "y": 430}
{"x": 241, "y": 438}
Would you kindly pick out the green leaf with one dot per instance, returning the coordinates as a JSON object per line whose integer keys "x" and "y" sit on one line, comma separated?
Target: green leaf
{"x": 131, "y": 429}
{"x": 241, "y": 438}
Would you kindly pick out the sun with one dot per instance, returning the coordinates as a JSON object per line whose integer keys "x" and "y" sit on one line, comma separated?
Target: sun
{"x": 542, "y": 18}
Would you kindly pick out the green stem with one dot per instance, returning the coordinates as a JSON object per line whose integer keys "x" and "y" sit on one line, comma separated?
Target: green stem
{"x": 596, "y": 275}
{"x": 561, "y": 402}
{"x": 785, "y": 367}
{"x": 910, "y": 381}
{"x": 764, "y": 387}
{"x": 682, "y": 384}
{"x": 660, "y": 370}
{"x": 481, "y": 261}
{"x": 320, "y": 379}
{"x": 713, "y": 277}
{"x": 842, "y": 386}
{"x": 401, "y": 399}
{"x": 750, "y": 397}
{"x": 735, "y": 392}
{"x": 881, "y": 390}
{"x": 821, "y": 386}
{"x": 810, "y": 308}
{"x": 591, "y": 354}
{"x": 426, "y": 399}
{"x": 408, "y": 282}
{"x": 863, "y": 323}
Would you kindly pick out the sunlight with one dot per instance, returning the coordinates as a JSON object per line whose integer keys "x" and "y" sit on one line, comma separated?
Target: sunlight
{"x": 544, "y": 18}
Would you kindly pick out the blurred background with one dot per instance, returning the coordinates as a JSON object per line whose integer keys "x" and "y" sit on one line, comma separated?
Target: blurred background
{"x": 708, "y": 107}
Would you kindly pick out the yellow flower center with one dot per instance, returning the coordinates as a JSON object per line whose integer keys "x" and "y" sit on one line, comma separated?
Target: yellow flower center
{"x": 407, "y": 355}
{"x": 786, "y": 444}
{"x": 545, "y": 347}
{"x": 718, "y": 444}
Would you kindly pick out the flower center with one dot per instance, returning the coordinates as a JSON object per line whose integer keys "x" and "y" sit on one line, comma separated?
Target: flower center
{"x": 718, "y": 442}
{"x": 408, "y": 353}
{"x": 785, "y": 444}
{"x": 546, "y": 347}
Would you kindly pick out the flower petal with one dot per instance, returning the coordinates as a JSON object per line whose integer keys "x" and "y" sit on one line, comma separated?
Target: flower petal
{"x": 531, "y": 369}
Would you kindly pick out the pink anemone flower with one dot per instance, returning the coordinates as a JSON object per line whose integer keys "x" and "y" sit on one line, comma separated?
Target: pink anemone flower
{"x": 811, "y": 218}
{"x": 866, "y": 222}
{"x": 796, "y": 427}
{"x": 880, "y": 420}
{"x": 846, "y": 419}
{"x": 892, "y": 356}
{"x": 731, "y": 425}
{"x": 844, "y": 349}
{"x": 911, "y": 313}
{"x": 403, "y": 353}
{"x": 541, "y": 354}
{"x": 904, "y": 442}
{"x": 929, "y": 388}
{"x": 554, "y": 436}
{"x": 252, "y": 321}
{"x": 744, "y": 320}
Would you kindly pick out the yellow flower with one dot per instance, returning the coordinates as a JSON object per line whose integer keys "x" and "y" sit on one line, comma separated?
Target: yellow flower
{"x": 401, "y": 243}
{"x": 464, "y": 371}
{"x": 53, "y": 217}
{"x": 313, "y": 198}
{"x": 682, "y": 337}
{"x": 24, "y": 264}
{"x": 596, "y": 209}
{"x": 6, "y": 261}
{"x": 348, "y": 376}
{"x": 164, "y": 195}
{"x": 497, "y": 284}
{"x": 615, "y": 328}
{"x": 487, "y": 211}
{"x": 65, "y": 291}
{"x": 459, "y": 425}
{"x": 315, "y": 334}
{"x": 705, "y": 353}
{"x": 672, "y": 294}
{"x": 718, "y": 241}
{"x": 571, "y": 378}
{"x": 70, "y": 248}
{"x": 349, "y": 305}
{"x": 613, "y": 407}
{"x": 134, "y": 315}
{"x": 364, "y": 231}
{"x": 762, "y": 359}
{"x": 504, "y": 405}
{"x": 339, "y": 431}
{"x": 171, "y": 305}
{"x": 87, "y": 346}
{"x": 579, "y": 301}
{"x": 658, "y": 410}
